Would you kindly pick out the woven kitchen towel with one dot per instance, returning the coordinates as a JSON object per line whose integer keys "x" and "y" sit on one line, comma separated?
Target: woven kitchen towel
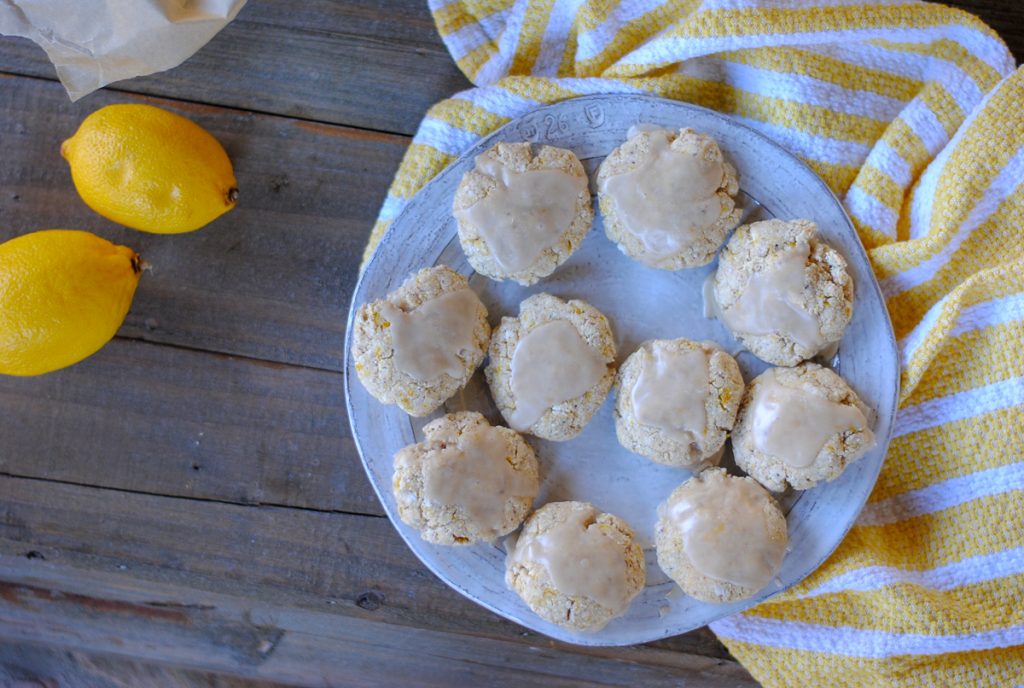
{"x": 914, "y": 115}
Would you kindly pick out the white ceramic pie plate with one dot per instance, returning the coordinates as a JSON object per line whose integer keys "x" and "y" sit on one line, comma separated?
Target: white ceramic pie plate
{"x": 641, "y": 303}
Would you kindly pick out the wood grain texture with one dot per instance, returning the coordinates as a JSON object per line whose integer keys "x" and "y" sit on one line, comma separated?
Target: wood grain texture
{"x": 326, "y": 60}
{"x": 29, "y": 665}
{"x": 109, "y": 545}
{"x": 251, "y": 639}
{"x": 269, "y": 280}
{"x": 155, "y": 419}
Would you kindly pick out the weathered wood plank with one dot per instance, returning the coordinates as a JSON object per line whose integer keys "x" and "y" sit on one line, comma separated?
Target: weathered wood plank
{"x": 318, "y": 59}
{"x": 27, "y": 665}
{"x": 337, "y": 564}
{"x": 252, "y": 638}
{"x": 272, "y": 278}
{"x": 162, "y": 420}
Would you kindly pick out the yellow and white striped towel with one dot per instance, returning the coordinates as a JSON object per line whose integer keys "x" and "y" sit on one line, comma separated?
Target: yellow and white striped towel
{"x": 914, "y": 115}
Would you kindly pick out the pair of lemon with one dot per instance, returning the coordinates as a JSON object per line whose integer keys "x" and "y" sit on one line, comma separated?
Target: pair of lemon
{"x": 64, "y": 293}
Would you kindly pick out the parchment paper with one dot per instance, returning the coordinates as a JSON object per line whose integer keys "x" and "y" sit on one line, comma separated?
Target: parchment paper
{"x": 95, "y": 42}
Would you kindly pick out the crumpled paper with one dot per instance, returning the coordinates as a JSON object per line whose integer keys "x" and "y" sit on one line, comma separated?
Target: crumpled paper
{"x": 95, "y": 42}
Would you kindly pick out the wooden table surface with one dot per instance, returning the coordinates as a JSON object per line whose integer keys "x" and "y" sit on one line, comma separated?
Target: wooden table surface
{"x": 190, "y": 495}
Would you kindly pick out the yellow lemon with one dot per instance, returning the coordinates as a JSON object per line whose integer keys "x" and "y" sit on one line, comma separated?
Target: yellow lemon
{"x": 150, "y": 169}
{"x": 63, "y": 294}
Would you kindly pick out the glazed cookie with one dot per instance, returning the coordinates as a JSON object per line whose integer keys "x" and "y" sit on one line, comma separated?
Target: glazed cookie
{"x": 721, "y": 538}
{"x": 575, "y": 566}
{"x": 420, "y": 344}
{"x": 551, "y": 368}
{"x": 676, "y": 401}
{"x": 800, "y": 426}
{"x": 466, "y": 482}
{"x": 520, "y": 216}
{"x": 784, "y": 293}
{"x": 668, "y": 199}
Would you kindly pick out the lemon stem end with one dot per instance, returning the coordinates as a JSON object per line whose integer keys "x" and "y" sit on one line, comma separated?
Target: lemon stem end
{"x": 138, "y": 265}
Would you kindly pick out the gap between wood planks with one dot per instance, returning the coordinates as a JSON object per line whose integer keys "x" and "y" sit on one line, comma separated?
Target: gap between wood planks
{"x": 141, "y": 339}
{"x": 210, "y": 500}
{"x": 187, "y": 103}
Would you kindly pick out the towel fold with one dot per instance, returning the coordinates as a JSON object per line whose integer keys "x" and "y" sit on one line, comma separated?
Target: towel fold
{"x": 913, "y": 113}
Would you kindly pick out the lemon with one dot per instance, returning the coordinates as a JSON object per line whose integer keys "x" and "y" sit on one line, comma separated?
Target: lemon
{"x": 150, "y": 169}
{"x": 63, "y": 294}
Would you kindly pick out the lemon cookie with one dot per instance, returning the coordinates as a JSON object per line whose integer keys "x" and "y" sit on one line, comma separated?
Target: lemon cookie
{"x": 466, "y": 482}
{"x": 667, "y": 198}
{"x": 676, "y": 401}
{"x": 721, "y": 538}
{"x": 551, "y": 368}
{"x": 520, "y": 216}
{"x": 782, "y": 291}
{"x": 420, "y": 344}
{"x": 575, "y": 566}
{"x": 800, "y": 426}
